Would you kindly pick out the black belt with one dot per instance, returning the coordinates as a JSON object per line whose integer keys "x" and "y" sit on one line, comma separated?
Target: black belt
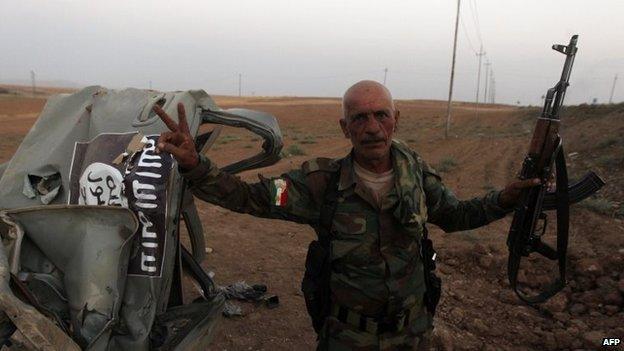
{"x": 374, "y": 325}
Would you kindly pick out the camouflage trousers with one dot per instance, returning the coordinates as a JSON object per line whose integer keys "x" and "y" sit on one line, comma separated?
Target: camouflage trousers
{"x": 339, "y": 336}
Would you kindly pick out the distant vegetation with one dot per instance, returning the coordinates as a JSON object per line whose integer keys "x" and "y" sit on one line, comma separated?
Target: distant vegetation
{"x": 226, "y": 139}
{"x": 295, "y": 150}
{"x": 608, "y": 142}
{"x": 446, "y": 164}
{"x": 610, "y": 160}
{"x": 292, "y": 150}
{"x": 597, "y": 110}
{"x": 602, "y": 206}
{"x": 308, "y": 140}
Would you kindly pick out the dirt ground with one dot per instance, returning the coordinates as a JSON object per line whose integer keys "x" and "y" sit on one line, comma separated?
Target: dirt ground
{"x": 484, "y": 151}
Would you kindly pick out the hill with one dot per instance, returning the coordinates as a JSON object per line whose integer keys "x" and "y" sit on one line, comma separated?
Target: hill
{"x": 484, "y": 152}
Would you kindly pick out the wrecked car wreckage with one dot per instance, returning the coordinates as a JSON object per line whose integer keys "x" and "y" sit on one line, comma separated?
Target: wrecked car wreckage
{"x": 90, "y": 223}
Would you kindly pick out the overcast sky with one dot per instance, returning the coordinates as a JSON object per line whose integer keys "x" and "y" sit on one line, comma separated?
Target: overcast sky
{"x": 315, "y": 48}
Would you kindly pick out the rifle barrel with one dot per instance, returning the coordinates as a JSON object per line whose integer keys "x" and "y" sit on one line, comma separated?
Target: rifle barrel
{"x": 562, "y": 85}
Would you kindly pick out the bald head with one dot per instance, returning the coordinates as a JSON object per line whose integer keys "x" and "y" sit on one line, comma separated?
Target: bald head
{"x": 369, "y": 120}
{"x": 365, "y": 92}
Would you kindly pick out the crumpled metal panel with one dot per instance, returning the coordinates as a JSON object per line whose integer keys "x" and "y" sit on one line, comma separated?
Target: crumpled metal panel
{"x": 80, "y": 117}
{"x": 90, "y": 245}
{"x": 3, "y": 166}
{"x": 260, "y": 123}
{"x": 63, "y": 121}
{"x": 190, "y": 327}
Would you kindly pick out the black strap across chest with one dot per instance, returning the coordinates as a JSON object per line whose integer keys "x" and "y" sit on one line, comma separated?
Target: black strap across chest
{"x": 328, "y": 209}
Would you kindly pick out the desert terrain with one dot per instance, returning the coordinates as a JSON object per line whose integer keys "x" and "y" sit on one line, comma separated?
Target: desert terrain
{"x": 485, "y": 149}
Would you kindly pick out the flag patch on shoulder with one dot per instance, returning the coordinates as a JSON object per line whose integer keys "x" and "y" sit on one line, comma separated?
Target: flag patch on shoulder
{"x": 280, "y": 194}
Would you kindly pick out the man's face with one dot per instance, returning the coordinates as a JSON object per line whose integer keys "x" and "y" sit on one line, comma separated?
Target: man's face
{"x": 369, "y": 121}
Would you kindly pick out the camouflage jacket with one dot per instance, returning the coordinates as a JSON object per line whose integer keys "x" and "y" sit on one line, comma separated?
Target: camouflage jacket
{"x": 376, "y": 262}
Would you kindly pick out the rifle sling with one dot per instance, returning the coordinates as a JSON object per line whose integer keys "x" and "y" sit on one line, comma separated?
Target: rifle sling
{"x": 563, "y": 215}
{"x": 328, "y": 209}
{"x": 563, "y": 219}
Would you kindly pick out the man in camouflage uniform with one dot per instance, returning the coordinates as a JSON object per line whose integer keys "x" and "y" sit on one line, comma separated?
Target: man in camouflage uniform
{"x": 385, "y": 193}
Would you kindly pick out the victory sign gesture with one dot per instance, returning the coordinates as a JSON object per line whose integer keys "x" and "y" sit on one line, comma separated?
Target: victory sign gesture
{"x": 178, "y": 141}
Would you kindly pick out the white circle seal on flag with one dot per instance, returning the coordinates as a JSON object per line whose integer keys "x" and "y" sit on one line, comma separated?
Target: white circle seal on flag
{"x": 102, "y": 184}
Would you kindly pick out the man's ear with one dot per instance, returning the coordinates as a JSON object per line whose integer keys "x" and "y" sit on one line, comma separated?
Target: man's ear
{"x": 343, "y": 125}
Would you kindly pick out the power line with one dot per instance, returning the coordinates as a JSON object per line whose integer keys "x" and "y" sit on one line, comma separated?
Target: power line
{"x": 475, "y": 19}
{"x": 492, "y": 86}
{"x": 612, "y": 89}
{"x": 450, "y": 99}
{"x": 467, "y": 36}
{"x": 487, "y": 74}
{"x": 480, "y": 55}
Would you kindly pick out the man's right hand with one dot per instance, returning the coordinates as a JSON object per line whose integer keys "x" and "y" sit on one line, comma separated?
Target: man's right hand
{"x": 178, "y": 141}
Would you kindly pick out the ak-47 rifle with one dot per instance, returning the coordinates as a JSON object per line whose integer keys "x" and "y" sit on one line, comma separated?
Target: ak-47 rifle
{"x": 546, "y": 151}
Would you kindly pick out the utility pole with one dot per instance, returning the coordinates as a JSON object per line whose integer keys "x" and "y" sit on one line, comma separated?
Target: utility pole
{"x": 492, "y": 82}
{"x": 480, "y": 55}
{"x": 32, "y": 81}
{"x": 612, "y": 89}
{"x": 385, "y": 75}
{"x": 450, "y": 98}
{"x": 150, "y": 85}
{"x": 492, "y": 87}
{"x": 239, "y": 84}
{"x": 487, "y": 77}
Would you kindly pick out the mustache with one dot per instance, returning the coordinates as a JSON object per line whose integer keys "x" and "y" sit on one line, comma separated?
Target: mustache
{"x": 373, "y": 140}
